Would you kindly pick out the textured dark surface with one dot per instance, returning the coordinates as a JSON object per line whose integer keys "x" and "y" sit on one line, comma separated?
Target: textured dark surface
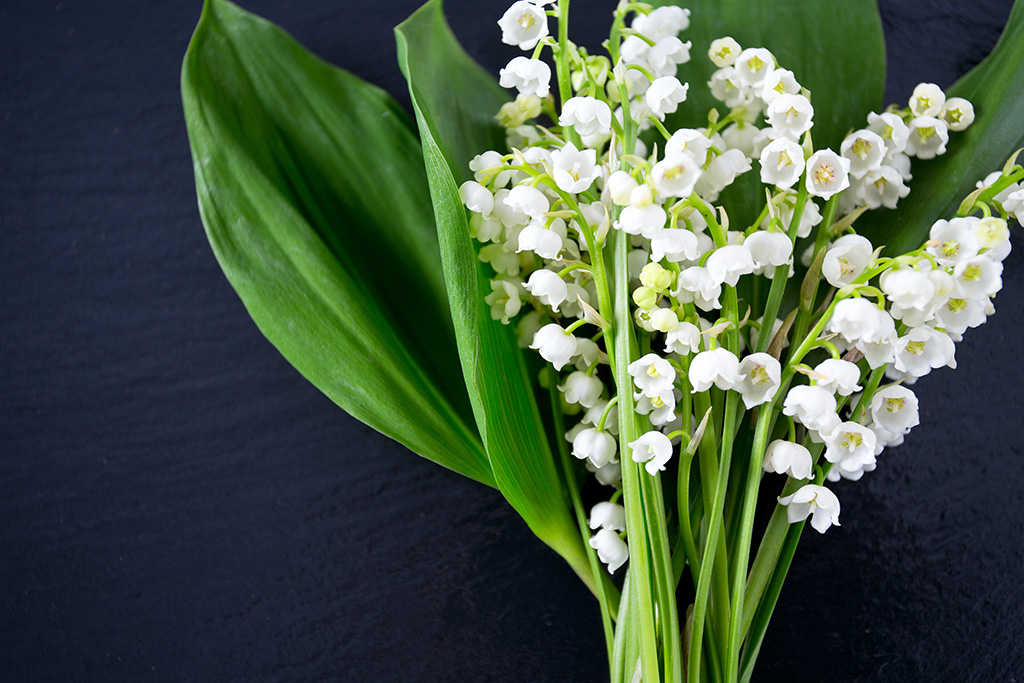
{"x": 176, "y": 503}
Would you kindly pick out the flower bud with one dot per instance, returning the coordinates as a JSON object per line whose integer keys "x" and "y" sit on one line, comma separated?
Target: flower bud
{"x": 645, "y": 297}
{"x": 656, "y": 277}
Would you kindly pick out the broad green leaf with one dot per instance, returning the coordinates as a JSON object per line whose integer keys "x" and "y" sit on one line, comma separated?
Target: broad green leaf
{"x": 996, "y": 88}
{"x": 318, "y": 210}
{"x": 835, "y": 49}
{"x": 446, "y": 86}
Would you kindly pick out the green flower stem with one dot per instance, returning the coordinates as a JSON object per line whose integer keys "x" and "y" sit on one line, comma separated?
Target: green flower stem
{"x": 607, "y": 594}
{"x": 607, "y": 410}
{"x": 660, "y": 126}
{"x": 781, "y": 276}
{"x": 764, "y": 611}
{"x": 562, "y": 67}
{"x": 711, "y": 543}
{"x": 806, "y": 309}
{"x": 709, "y": 472}
{"x": 859, "y": 412}
{"x": 641, "y": 572}
{"x": 742, "y": 548}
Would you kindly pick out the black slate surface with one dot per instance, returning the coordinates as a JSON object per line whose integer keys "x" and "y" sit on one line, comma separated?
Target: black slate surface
{"x": 177, "y": 504}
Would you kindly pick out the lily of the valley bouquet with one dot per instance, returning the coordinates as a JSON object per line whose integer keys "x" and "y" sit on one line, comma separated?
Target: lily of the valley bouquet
{"x": 641, "y": 288}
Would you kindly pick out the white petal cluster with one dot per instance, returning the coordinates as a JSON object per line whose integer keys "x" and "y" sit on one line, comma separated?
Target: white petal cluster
{"x": 815, "y": 501}
{"x": 541, "y": 213}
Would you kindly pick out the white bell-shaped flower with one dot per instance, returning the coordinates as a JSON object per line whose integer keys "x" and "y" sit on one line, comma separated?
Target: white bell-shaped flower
{"x": 782, "y": 162}
{"x": 979, "y": 277}
{"x": 696, "y": 285}
{"x": 541, "y": 240}
{"x": 850, "y": 446}
{"x": 827, "y": 173}
{"x": 891, "y": 128}
{"x": 923, "y": 349}
{"x": 724, "y": 51}
{"x": 619, "y": 186}
{"x": 760, "y": 376}
{"x": 652, "y": 448}
{"x": 504, "y": 300}
{"x": 574, "y": 170}
{"x": 595, "y": 445}
{"x": 652, "y": 374}
{"x": 846, "y": 259}
{"x": 609, "y": 475}
{"x": 482, "y": 165}
{"x": 883, "y": 186}
{"x": 588, "y": 115}
{"x": 816, "y": 501}
{"x": 860, "y": 320}
{"x": 769, "y": 251}
{"x": 719, "y": 367}
{"x": 646, "y": 220}
{"x": 957, "y": 114}
{"x": 523, "y": 24}
{"x": 813, "y": 407}
{"x": 581, "y": 388}
{"x": 785, "y": 457}
{"x": 928, "y": 137}
{"x": 675, "y": 244}
{"x": 865, "y": 149}
{"x": 554, "y": 344}
{"x": 927, "y": 100}
{"x": 528, "y": 76}
{"x": 744, "y": 137}
{"x": 895, "y": 408}
{"x": 528, "y": 202}
{"x": 753, "y": 65}
{"x": 684, "y": 339}
{"x": 664, "y": 95}
{"x": 548, "y": 287}
{"x": 908, "y": 289}
{"x": 727, "y": 264}
{"x": 810, "y": 218}
{"x": 662, "y": 22}
{"x": 675, "y": 175}
{"x": 778, "y": 82}
{"x": 608, "y": 516}
{"x": 667, "y": 54}
{"x": 840, "y": 376}
{"x": 477, "y": 198}
{"x": 611, "y": 549}
{"x": 790, "y": 116}
{"x": 953, "y": 241}
{"x": 959, "y": 313}
{"x": 689, "y": 141}
{"x": 660, "y": 408}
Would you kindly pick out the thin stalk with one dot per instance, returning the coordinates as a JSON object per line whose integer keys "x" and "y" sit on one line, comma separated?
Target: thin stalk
{"x": 640, "y": 563}
{"x": 803, "y": 318}
{"x": 742, "y": 548}
{"x": 781, "y": 276}
{"x": 710, "y": 546}
{"x": 562, "y": 67}
{"x": 601, "y": 579}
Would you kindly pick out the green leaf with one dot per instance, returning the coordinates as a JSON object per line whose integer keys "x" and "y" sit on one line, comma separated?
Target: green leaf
{"x": 835, "y": 49}
{"x": 455, "y": 101}
{"x": 996, "y": 89}
{"x": 318, "y": 211}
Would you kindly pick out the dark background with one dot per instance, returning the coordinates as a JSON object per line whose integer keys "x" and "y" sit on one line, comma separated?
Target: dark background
{"x": 178, "y": 504}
